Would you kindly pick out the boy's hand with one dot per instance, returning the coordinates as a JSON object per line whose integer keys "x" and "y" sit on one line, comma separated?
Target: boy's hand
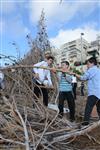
{"x": 36, "y": 76}
{"x": 53, "y": 70}
{"x": 72, "y": 73}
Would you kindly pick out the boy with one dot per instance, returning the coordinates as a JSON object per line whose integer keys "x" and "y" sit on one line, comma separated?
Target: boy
{"x": 92, "y": 75}
{"x": 65, "y": 91}
{"x": 43, "y": 78}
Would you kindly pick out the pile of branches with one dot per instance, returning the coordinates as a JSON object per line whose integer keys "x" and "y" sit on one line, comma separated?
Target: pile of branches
{"x": 26, "y": 122}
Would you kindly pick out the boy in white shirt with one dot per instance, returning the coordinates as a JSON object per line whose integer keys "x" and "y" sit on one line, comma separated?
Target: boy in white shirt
{"x": 43, "y": 78}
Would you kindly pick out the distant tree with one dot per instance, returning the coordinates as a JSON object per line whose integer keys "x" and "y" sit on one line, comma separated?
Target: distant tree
{"x": 42, "y": 38}
{"x": 76, "y": 71}
{"x": 39, "y": 45}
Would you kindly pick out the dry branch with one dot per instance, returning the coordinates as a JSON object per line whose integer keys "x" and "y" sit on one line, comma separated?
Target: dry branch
{"x": 37, "y": 127}
{"x": 76, "y": 133}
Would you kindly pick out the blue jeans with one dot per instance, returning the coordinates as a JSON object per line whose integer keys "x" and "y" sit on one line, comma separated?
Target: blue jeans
{"x": 91, "y": 101}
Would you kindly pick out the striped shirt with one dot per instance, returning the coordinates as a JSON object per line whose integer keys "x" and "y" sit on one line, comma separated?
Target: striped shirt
{"x": 65, "y": 82}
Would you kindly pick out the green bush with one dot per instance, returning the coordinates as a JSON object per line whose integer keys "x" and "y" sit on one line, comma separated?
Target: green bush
{"x": 76, "y": 71}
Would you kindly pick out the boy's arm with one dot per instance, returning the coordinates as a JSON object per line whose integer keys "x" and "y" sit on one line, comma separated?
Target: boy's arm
{"x": 83, "y": 77}
{"x": 35, "y": 70}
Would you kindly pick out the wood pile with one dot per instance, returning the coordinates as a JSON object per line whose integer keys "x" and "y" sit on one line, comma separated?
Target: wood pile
{"x": 25, "y": 121}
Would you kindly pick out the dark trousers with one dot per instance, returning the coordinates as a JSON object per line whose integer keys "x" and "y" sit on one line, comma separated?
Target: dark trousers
{"x": 91, "y": 101}
{"x": 71, "y": 104}
{"x": 44, "y": 92}
{"x": 74, "y": 85}
{"x": 82, "y": 90}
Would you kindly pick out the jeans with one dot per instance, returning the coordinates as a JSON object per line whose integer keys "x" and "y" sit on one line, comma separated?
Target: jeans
{"x": 71, "y": 103}
{"x": 82, "y": 91}
{"x": 91, "y": 101}
{"x": 2, "y": 84}
{"x": 74, "y": 89}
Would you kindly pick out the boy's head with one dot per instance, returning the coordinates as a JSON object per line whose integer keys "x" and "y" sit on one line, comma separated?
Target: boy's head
{"x": 65, "y": 64}
{"x": 50, "y": 60}
{"x": 91, "y": 62}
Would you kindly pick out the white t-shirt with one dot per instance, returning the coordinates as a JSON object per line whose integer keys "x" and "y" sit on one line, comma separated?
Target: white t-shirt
{"x": 44, "y": 75}
{"x": 74, "y": 79}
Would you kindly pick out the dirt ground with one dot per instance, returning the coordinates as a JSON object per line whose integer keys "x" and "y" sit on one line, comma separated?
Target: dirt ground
{"x": 83, "y": 142}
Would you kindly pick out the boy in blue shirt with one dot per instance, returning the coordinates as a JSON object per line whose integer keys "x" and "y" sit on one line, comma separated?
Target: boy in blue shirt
{"x": 65, "y": 91}
{"x": 92, "y": 75}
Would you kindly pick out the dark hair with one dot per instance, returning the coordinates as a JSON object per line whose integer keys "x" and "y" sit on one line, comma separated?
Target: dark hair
{"x": 50, "y": 57}
{"x": 92, "y": 60}
{"x": 65, "y": 62}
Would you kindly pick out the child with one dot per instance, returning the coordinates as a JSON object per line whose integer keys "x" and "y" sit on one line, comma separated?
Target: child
{"x": 65, "y": 91}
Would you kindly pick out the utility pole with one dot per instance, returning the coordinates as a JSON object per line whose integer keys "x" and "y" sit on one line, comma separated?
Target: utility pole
{"x": 82, "y": 51}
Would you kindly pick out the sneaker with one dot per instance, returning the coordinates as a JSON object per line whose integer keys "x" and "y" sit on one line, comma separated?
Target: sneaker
{"x": 85, "y": 123}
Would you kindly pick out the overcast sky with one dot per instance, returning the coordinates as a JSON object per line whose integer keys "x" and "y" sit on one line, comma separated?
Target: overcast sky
{"x": 65, "y": 21}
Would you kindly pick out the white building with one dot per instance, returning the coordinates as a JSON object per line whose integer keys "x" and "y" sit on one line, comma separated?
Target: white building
{"x": 74, "y": 51}
{"x": 57, "y": 54}
{"x": 78, "y": 51}
{"x": 94, "y": 49}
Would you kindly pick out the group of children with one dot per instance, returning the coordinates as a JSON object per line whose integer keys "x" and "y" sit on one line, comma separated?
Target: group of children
{"x": 92, "y": 75}
{"x": 42, "y": 78}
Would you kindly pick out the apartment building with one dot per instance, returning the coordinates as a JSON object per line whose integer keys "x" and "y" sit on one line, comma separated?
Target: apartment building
{"x": 74, "y": 51}
{"x": 94, "y": 49}
{"x": 78, "y": 50}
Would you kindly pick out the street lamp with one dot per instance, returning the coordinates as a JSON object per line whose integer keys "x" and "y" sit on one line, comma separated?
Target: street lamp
{"x": 82, "y": 52}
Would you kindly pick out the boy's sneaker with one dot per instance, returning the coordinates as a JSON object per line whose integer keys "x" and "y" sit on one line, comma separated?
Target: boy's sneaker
{"x": 81, "y": 127}
{"x": 85, "y": 123}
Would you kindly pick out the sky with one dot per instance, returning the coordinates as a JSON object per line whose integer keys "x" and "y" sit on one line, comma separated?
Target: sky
{"x": 65, "y": 21}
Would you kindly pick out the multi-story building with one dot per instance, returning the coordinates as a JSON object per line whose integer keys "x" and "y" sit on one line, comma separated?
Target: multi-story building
{"x": 94, "y": 49}
{"x": 57, "y": 54}
{"x": 78, "y": 51}
{"x": 74, "y": 51}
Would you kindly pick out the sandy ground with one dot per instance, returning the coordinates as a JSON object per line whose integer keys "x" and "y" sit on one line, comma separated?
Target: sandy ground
{"x": 83, "y": 142}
